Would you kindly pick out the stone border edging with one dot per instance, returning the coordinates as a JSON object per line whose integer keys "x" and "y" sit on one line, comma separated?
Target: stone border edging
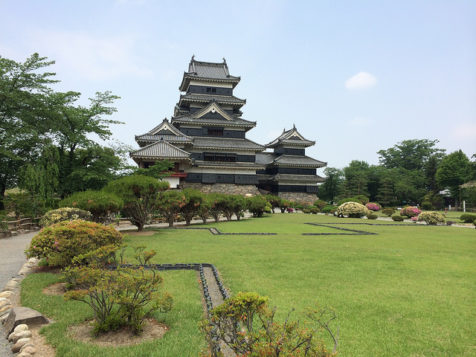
{"x": 21, "y": 335}
{"x": 352, "y": 232}
{"x": 217, "y": 232}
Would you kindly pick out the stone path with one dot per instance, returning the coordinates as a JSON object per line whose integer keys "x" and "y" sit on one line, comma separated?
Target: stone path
{"x": 12, "y": 257}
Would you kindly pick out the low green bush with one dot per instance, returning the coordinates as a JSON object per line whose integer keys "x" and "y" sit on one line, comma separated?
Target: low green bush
{"x": 320, "y": 204}
{"x": 426, "y": 205}
{"x": 102, "y": 205}
{"x": 314, "y": 210}
{"x": 431, "y": 218}
{"x": 468, "y": 217}
{"x": 64, "y": 214}
{"x": 352, "y": 210}
{"x": 397, "y": 218}
{"x": 61, "y": 242}
{"x": 388, "y": 211}
{"x": 248, "y": 327}
{"x": 328, "y": 209}
{"x": 372, "y": 216}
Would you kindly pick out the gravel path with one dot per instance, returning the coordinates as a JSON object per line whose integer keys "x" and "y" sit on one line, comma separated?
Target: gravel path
{"x": 12, "y": 257}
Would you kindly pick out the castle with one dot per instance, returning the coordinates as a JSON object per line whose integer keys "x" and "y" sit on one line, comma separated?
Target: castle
{"x": 206, "y": 141}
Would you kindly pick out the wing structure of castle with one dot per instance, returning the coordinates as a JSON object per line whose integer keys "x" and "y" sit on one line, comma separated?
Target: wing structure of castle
{"x": 206, "y": 141}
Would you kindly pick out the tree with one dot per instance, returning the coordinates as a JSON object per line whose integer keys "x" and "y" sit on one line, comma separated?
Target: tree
{"x": 454, "y": 170}
{"x": 257, "y": 205}
{"x": 332, "y": 187}
{"x": 170, "y": 204}
{"x": 410, "y": 154}
{"x": 193, "y": 201}
{"x": 25, "y": 115}
{"x": 356, "y": 178}
{"x": 159, "y": 170}
{"x": 139, "y": 194}
{"x": 74, "y": 125}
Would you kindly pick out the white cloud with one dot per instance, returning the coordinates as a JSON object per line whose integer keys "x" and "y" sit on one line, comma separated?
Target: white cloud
{"x": 466, "y": 131}
{"x": 91, "y": 56}
{"x": 361, "y": 80}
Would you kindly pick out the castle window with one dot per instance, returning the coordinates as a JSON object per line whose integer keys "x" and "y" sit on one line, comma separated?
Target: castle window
{"x": 215, "y": 131}
{"x": 211, "y": 90}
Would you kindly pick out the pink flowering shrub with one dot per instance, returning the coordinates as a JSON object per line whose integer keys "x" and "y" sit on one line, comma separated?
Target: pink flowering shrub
{"x": 373, "y": 206}
{"x": 410, "y": 211}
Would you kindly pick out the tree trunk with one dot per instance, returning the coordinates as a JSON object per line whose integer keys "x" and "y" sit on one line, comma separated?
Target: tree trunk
{"x": 3, "y": 187}
{"x": 170, "y": 219}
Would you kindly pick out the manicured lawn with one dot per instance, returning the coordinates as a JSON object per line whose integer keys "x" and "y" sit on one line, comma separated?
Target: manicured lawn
{"x": 409, "y": 290}
{"x": 183, "y": 338}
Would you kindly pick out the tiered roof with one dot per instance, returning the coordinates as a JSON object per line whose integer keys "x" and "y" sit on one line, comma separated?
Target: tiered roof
{"x": 164, "y": 131}
{"x": 209, "y": 72}
{"x": 290, "y": 138}
{"x": 162, "y": 149}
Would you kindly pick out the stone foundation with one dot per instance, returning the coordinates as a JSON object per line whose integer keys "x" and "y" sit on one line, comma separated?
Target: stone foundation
{"x": 229, "y": 189}
{"x": 299, "y": 197}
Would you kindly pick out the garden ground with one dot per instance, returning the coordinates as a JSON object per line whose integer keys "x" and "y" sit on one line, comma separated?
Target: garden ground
{"x": 408, "y": 290}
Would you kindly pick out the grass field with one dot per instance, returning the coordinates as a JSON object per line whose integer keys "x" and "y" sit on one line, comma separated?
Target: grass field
{"x": 407, "y": 291}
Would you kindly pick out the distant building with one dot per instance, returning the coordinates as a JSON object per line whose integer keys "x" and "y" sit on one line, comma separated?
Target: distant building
{"x": 206, "y": 141}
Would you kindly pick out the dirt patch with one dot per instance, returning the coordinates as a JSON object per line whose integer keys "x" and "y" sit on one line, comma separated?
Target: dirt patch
{"x": 46, "y": 269}
{"x": 39, "y": 341}
{"x": 136, "y": 233}
{"x": 55, "y": 289}
{"x": 123, "y": 337}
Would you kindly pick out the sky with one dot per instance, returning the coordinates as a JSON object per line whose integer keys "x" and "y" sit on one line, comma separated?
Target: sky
{"x": 354, "y": 76}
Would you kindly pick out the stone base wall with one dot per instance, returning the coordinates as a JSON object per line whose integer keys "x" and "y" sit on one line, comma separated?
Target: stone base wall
{"x": 227, "y": 188}
{"x": 300, "y": 197}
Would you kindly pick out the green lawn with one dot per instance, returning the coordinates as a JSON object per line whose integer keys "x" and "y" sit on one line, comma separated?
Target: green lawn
{"x": 407, "y": 291}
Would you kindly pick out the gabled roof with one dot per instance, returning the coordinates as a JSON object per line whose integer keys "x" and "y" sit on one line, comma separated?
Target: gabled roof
{"x": 206, "y": 98}
{"x": 164, "y": 131}
{"x": 290, "y": 138}
{"x": 298, "y": 161}
{"x": 160, "y": 150}
{"x": 212, "y": 107}
{"x": 208, "y": 71}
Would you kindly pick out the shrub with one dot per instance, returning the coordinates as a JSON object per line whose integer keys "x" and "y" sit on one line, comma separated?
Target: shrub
{"x": 432, "y": 218}
{"x": 388, "y": 211}
{"x": 347, "y": 199}
{"x": 238, "y": 205}
{"x": 61, "y": 242}
{"x": 362, "y": 199}
{"x": 410, "y": 211}
{"x": 247, "y": 326}
{"x": 372, "y": 216}
{"x": 467, "y": 217}
{"x": 352, "y": 210}
{"x": 257, "y": 205}
{"x": 373, "y": 206}
{"x": 432, "y": 201}
{"x": 193, "y": 201}
{"x": 101, "y": 204}
{"x": 474, "y": 222}
{"x": 120, "y": 297}
{"x": 320, "y": 204}
{"x": 24, "y": 204}
{"x": 314, "y": 210}
{"x": 328, "y": 209}
{"x": 139, "y": 194}
{"x": 397, "y": 218}
{"x": 64, "y": 214}
{"x": 284, "y": 205}
{"x": 215, "y": 205}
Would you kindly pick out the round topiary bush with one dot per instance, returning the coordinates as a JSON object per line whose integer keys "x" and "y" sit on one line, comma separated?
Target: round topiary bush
{"x": 372, "y": 216}
{"x": 410, "y": 211}
{"x": 61, "y": 242}
{"x": 64, "y": 214}
{"x": 373, "y": 206}
{"x": 432, "y": 218}
{"x": 397, "y": 218}
{"x": 328, "y": 209}
{"x": 101, "y": 204}
{"x": 388, "y": 211}
{"x": 352, "y": 210}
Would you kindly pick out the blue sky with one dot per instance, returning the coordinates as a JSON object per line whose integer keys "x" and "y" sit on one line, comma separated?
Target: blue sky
{"x": 355, "y": 76}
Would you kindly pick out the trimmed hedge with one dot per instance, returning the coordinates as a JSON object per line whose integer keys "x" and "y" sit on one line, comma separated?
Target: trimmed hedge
{"x": 397, "y": 218}
{"x": 468, "y": 217}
